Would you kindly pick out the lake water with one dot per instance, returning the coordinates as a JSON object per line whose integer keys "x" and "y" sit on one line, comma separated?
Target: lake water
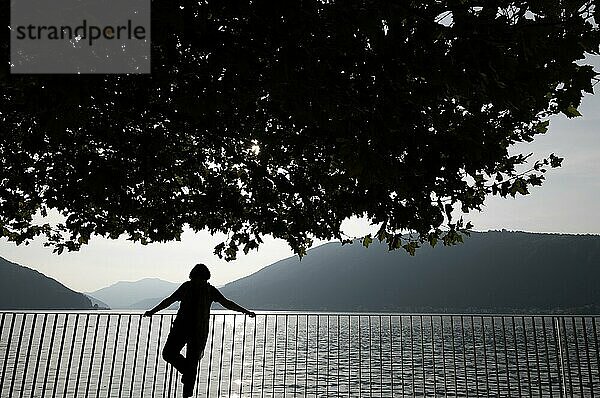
{"x": 298, "y": 354}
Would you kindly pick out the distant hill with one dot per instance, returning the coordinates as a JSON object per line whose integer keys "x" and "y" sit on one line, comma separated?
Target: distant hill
{"x": 101, "y": 304}
{"x": 490, "y": 272}
{"x": 23, "y": 288}
{"x": 127, "y": 295}
{"x": 147, "y": 304}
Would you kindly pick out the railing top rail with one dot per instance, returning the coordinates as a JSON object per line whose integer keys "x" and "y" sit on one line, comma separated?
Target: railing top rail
{"x": 309, "y": 313}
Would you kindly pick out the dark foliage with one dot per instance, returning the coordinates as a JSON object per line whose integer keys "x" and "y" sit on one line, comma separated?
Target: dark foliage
{"x": 285, "y": 118}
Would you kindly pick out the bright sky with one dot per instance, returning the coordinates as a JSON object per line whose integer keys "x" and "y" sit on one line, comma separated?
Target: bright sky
{"x": 569, "y": 202}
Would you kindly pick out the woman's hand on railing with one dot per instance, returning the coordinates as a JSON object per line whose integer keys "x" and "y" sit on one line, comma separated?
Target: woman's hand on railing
{"x": 148, "y": 313}
{"x": 251, "y": 314}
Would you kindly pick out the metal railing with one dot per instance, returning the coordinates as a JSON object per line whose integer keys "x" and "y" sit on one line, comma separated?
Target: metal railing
{"x": 80, "y": 354}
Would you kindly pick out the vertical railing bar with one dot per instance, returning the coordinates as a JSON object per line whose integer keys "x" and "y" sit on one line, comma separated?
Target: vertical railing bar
{"x": 587, "y": 355}
{"x": 296, "y": 357}
{"x": 401, "y": 354}
{"x": 526, "y": 356}
{"x": 495, "y": 355}
{"x": 104, "y": 343}
{"x": 160, "y": 327}
{"x": 168, "y": 369}
{"x": 2, "y": 328}
{"x": 253, "y": 356}
{"x": 575, "y": 337}
{"x": 537, "y": 356}
{"x": 432, "y": 356}
{"x": 125, "y": 355}
{"x": 506, "y": 355}
{"x": 593, "y": 320}
{"x": 380, "y": 360}
{"x": 166, "y": 387}
{"x": 73, "y": 337}
{"x": 8, "y": 344}
{"x": 221, "y": 355}
{"x": 199, "y": 368}
{"x": 391, "y": 354}
{"x": 50, "y": 351}
{"x": 146, "y": 355}
{"x": 14, "y": 372}
{"x": 328, "y": 354}
{"x": 114, "y": 357}
{"x": 168, "y": 379}
{"x": 168, "y": 383}
{"x": 60, "y": 352}
{"x": 474, "y": 355}
{"x": 135, "y": 356}
{"x": 559, "y": 355}
{"x": 412, "y": 356}
{"x": 566, "y": 355}
{"x": 454, "y": 355}
{"x": 516, "y": 355}
{"x": 274, "y": 353}
{"x": 306, "y": 361}
{"x": 370, "y": 358}
{"x": 93, "y": 350}
{"x": 12, "y": 325}
{"x": 264, "y": 358}
{"x": 464, "y": 352}
{"x": 443, "y": 355}
{"x": 39, "y": 352}
{"x": 173, "y": 373}
{"x": 243, "y": 356}
{"x": 545, "y": 334}
{"x": 285, "y": 355}
{"x": 85, "y": 333}
{"x": 176, "y": 382}
{"x": 359, "y": 359}
{"x": 231, "y": 356}
{"x": 338, "y": 355}
{"x": 31, "y": 332}
{"x": 317, "y": 354}
{"x": 421, "y": 327}
{"x": 210, "y": 358}
{"x": 485, "y": 362}
{"x": 349, "y": 350}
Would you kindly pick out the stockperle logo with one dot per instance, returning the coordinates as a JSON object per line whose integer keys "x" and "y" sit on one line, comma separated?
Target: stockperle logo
{"x": 80, "y": 36}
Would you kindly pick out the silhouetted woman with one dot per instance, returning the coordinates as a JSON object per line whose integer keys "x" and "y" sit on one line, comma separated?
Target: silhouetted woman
{"x": 191, "y": 323}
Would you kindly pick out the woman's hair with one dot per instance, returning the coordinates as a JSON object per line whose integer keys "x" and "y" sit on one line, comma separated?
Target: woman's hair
{"x": 200, "y": 271}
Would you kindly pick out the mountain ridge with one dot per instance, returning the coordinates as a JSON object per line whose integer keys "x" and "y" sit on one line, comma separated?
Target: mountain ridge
{"x": 128, "y": 294}
{"x": 17, "y": 283}
{"x": 495, "y": 271}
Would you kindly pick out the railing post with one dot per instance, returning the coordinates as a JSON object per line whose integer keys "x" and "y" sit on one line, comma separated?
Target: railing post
{"x": 561, "y": 363}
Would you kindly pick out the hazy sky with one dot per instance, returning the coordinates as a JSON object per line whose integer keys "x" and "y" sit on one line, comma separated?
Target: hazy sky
{"x": 569, "y": 201}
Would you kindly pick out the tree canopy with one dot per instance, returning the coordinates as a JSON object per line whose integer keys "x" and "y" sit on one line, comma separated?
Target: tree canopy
{"x": 284, "y": 118}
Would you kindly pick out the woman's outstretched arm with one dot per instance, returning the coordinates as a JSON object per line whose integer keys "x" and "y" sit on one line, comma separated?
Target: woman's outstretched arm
{"x": 163, "y": 304}
{"x": 230, "y": 305}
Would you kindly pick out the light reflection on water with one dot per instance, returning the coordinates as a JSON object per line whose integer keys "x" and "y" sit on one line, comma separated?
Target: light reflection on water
{"x": 296, "y": 354}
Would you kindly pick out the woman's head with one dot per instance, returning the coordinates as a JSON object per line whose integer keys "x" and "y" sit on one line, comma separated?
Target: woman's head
{"x": 200, "y": 271}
